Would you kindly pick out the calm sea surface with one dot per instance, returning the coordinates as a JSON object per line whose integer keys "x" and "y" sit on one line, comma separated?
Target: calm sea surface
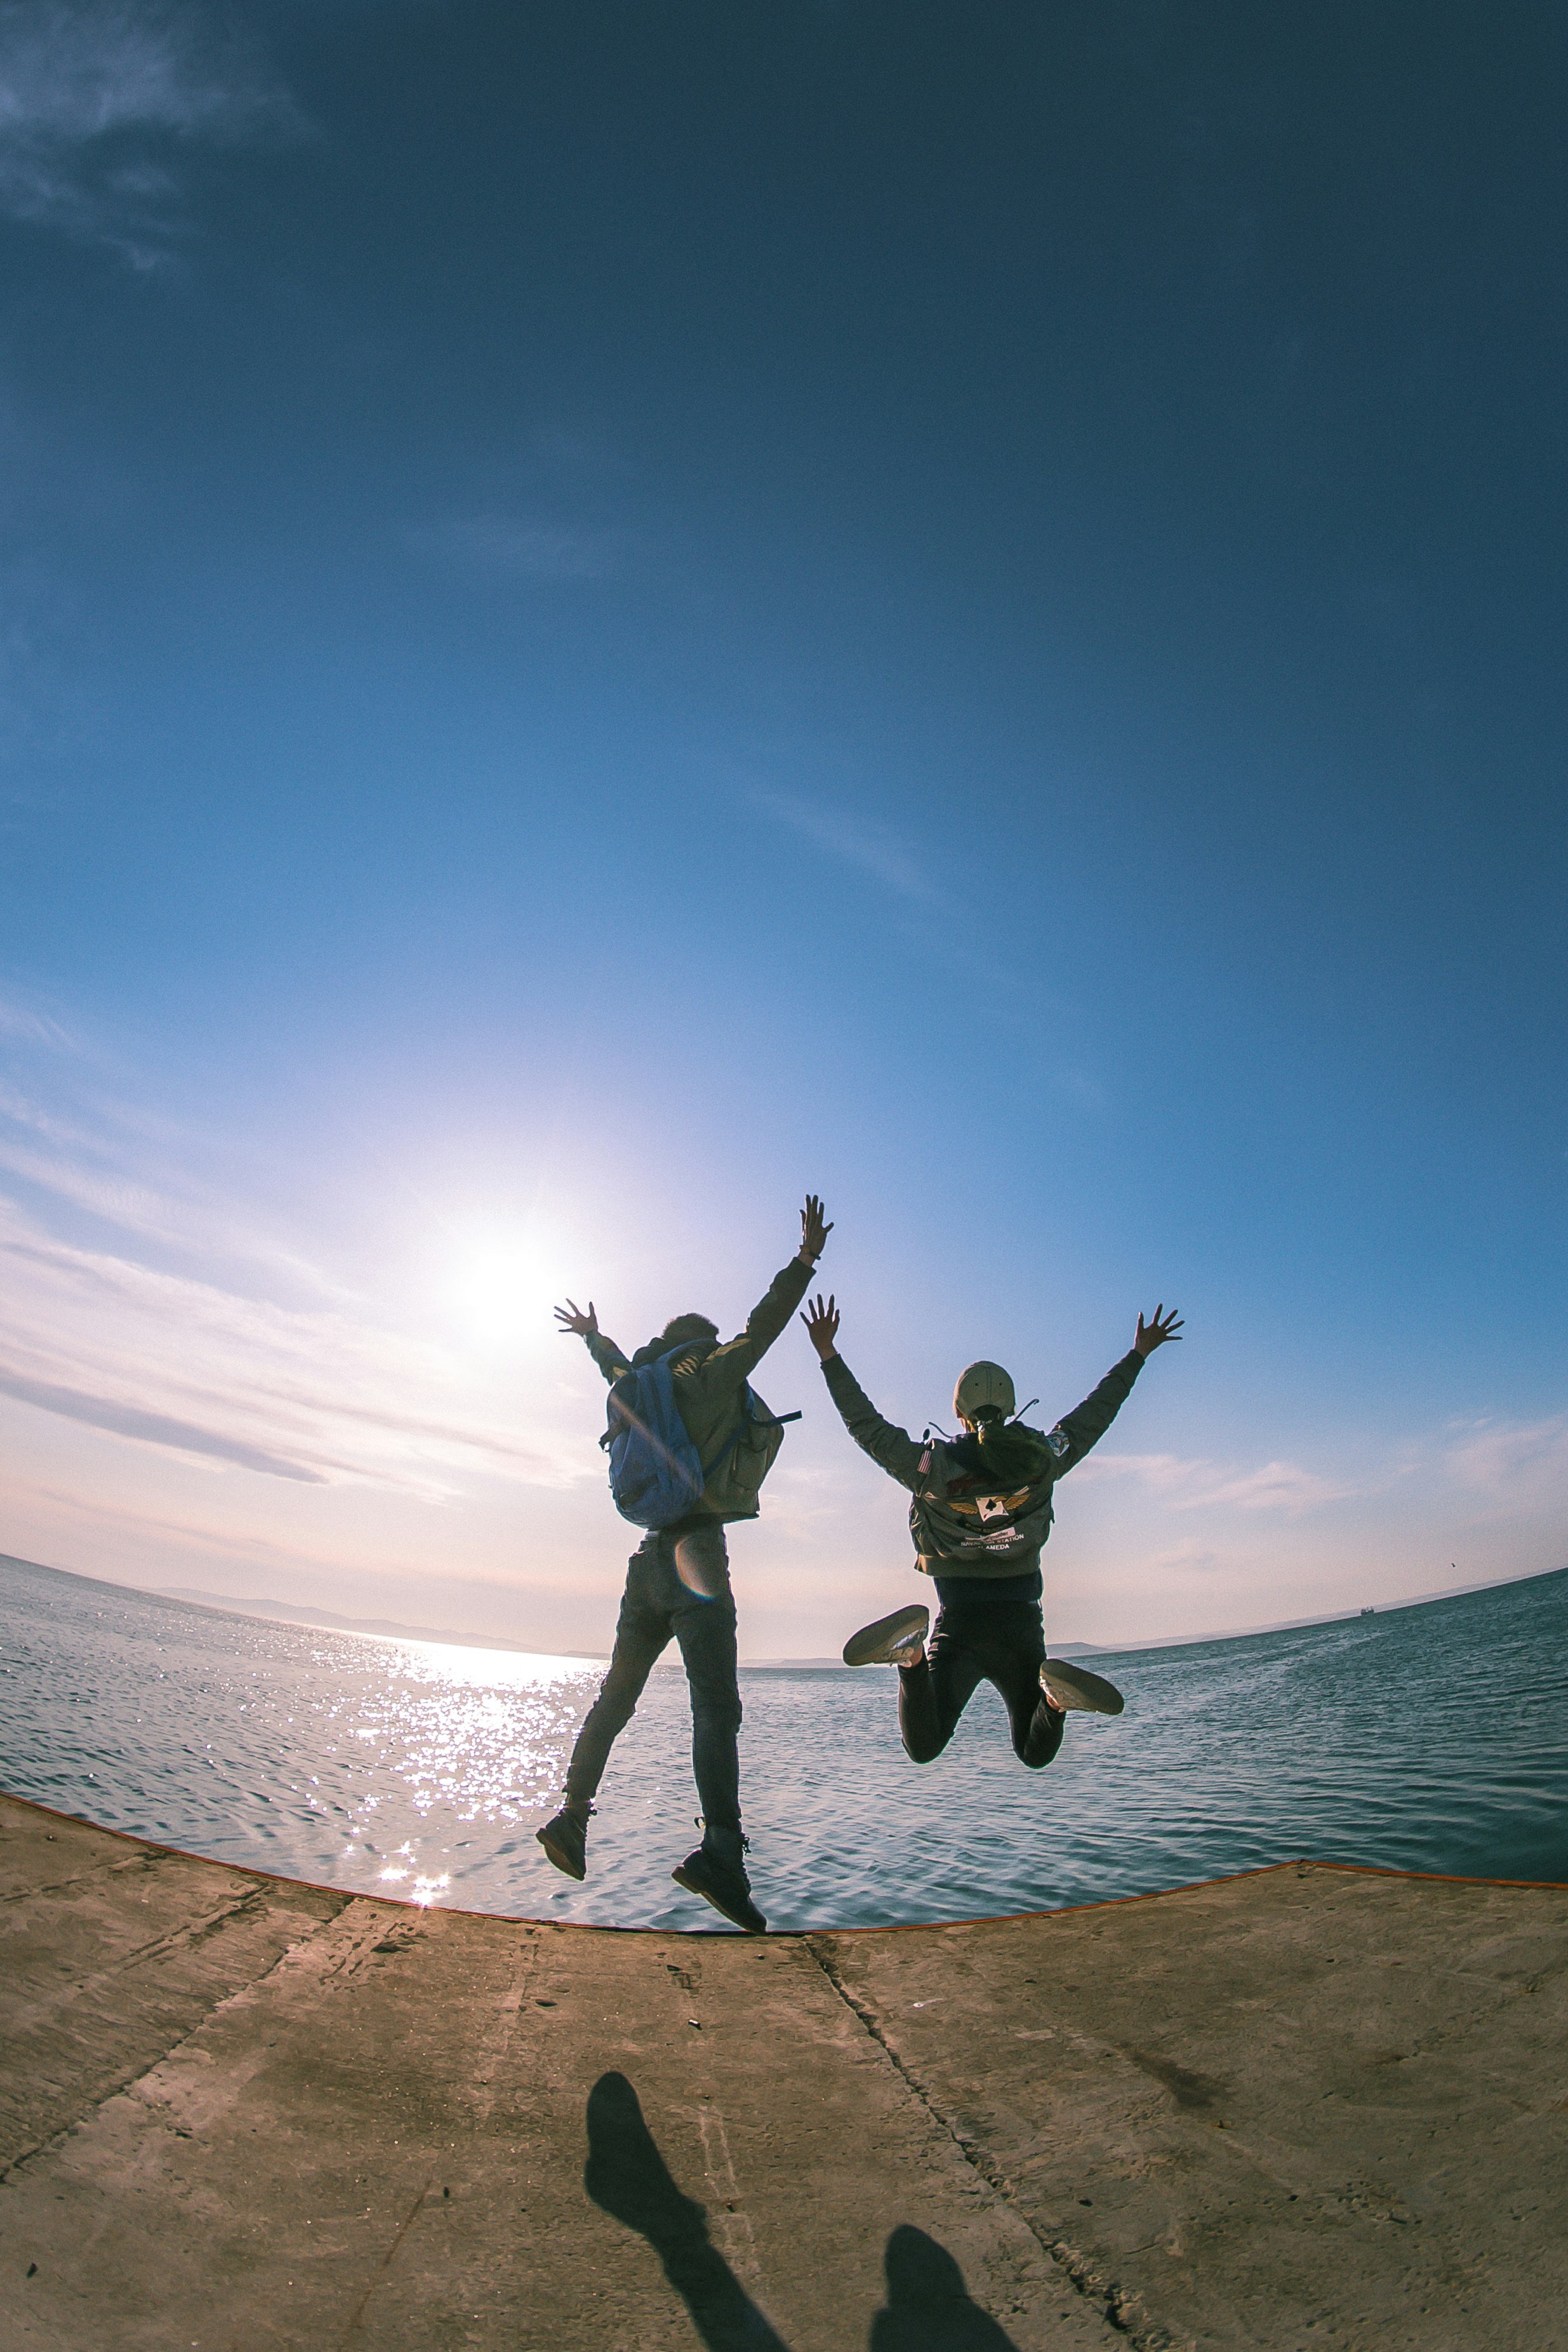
{"x": 1432, "y": 1738}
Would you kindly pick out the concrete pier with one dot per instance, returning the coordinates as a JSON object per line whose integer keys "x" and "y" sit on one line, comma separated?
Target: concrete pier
{"x": 1310, "y": 2107}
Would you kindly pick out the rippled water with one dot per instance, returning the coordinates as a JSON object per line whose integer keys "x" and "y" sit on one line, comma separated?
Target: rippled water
{"x": 1426, "y": 1739}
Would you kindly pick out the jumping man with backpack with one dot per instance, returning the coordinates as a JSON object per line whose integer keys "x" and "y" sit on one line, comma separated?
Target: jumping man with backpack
{"x": 980, "y": 1512}
{"x": 689, "y": 1445}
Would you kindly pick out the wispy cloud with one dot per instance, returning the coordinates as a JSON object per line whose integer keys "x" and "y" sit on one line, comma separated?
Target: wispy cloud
{"x": 143, "y": 1303}
{"x": 872, "y": 848}
{"x": 97, "y": 100}
{"x": 963, "y": 939}
{"x": 33, "y": 1028}
{"x": 317, "y": 1395}
{"x": 1197, "y": 1485}
{"x": 1518, "y": 1465}
{"x": 153, "y": 1428}
{"x": 523, "y": 548}
{"x": 106, "y": 1195}
{"x": 114, "y": 1523}
{"x": 93, "y": 1155}
{"x": 1514, "y": 1470}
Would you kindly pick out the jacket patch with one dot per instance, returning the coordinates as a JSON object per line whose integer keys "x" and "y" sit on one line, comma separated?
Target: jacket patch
{"x": 1058, "y": 1441}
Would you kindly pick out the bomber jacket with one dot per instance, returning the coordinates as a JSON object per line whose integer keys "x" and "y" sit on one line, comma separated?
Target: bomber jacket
{"x": 961, "y": 1525}
{"x": 709, "y": 1377}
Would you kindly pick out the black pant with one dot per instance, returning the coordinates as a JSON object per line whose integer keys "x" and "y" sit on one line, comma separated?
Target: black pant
{"x": 678, "y": 1582}
{"x": 982, "y": 1635}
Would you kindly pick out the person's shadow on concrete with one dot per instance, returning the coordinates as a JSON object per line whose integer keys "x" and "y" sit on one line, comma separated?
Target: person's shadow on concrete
{"x": 929, "y": 2308}
{"x": 629, "y": 2178}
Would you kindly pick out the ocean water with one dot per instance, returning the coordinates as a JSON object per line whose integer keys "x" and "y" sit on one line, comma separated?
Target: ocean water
{"x": 1432, "y": 1737}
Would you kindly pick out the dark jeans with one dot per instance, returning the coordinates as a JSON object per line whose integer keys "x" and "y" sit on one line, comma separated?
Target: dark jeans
{"x": 985, "y": 1630}
{"x": 678, "y": 1582}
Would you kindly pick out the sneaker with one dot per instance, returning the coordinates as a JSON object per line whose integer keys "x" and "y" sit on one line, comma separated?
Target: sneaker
{"x": 895, "y": 1641}
{"x": 566, "y": 1841}
{"x": 722, "y": 1883}
{"x": 1074, "y": 1687}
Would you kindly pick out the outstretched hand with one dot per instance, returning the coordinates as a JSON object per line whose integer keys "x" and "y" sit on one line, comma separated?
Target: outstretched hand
{"x": 1155, "y": 1334}
{"x": 814, "y": 1230}
{"x": 571, "y": 1319}
{"x": 821, "y": 1321}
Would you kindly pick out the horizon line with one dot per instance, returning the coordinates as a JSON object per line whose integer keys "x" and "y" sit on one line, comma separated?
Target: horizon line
{"x": 264, "y": 1610}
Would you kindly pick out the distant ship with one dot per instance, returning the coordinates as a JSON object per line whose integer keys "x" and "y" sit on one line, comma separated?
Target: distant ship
{"x": 1369, "y": 1612}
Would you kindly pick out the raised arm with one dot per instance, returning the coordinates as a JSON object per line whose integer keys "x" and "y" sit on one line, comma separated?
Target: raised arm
{"x": 737, "y": 1357}
{"x": 575, "y": 1323}
{"x": 1074, "y": 1435}
{"x": 892, "y": 1448}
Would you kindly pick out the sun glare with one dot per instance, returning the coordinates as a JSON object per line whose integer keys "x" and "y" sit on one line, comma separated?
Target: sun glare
{"x": 502, "y": 1289}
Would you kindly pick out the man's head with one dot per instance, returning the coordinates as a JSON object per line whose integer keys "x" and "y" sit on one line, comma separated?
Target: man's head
{"x": 687, "y": 1326}
{"x": 697, "y": 1329}
{"x": 985, "y": 1393}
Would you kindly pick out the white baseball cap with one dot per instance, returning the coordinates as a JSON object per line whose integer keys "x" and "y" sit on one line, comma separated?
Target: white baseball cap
{"x": 981, "y": 1386}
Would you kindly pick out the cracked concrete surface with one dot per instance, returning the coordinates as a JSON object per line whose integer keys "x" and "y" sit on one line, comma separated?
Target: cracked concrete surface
{"x": 1311, "y": 2107}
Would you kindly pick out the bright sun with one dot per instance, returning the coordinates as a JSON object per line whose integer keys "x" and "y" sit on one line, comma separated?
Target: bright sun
{"x": 502, "y": 1289}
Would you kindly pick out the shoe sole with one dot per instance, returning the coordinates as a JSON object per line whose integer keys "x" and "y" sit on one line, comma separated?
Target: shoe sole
{"x": 1080, "y": 1691}
{"x": 563, "y": 1860}
{"x": 695, "y": 1886}
{"x": 874, "y": 1646}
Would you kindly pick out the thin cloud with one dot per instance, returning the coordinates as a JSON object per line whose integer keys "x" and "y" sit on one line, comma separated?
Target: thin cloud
{"x": 962, "y": 941}
{"x": 1517, "y": 1469}
{"x": 1519, "y": 1463}
{"x": 525, "y": 550}
{"x": 23, "y": 1112}
{"x": 319, "y": 1395}
{"x": 1195, "y": 1486}
{"x": 34, "y": 1028}
{"x": 153, "y": 1428}
{"x": 1276, "y": 1487}
{"x": 95, "y": 102}
{"x": 856, "y": 841}
{"x": 106, "y": 1195}
{"x": 207, "y": 1539}
{"x": 447, "y": 1433}
{"x": 86, "y": 1166}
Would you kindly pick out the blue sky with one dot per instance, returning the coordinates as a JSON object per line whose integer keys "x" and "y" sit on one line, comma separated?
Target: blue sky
{"x": 611, "y": 613}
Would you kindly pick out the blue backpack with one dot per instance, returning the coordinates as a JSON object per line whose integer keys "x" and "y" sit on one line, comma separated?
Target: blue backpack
{"x": 655, "y": 1472}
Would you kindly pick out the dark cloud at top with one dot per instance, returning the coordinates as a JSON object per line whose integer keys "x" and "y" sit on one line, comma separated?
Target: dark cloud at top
{"x": 97, "y": 101}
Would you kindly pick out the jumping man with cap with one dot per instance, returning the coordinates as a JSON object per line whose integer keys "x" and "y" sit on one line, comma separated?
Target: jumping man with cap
{"x": 979, "y": 1514}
